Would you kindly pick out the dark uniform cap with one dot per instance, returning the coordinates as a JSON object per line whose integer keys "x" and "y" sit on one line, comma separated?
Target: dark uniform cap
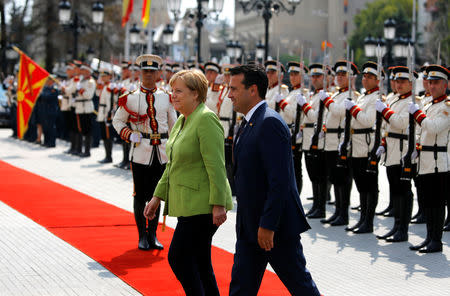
{"x": 149, "y": 62}
{"x": 436, "y": 72}
{"x": 213, "y": 66}
{"x": 77, "y": 63}
{"x": 168, "y": 67}
{"x": 402, "y": 72}
{"x": 125, "y": 64}
{"x": 316, "y": 69}
{"x": 372, "y": 68}
{"x": 176, "y": 67}
{"x": 296, "y": 67}
{"x": 273, "y": 65}
{"x": 424, "y": 72}
{"x": 341, "y": 66}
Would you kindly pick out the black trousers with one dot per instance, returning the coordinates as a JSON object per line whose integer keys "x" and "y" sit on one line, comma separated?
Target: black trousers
{"x": 85, "y": 121}
{"x": 145, "y": 178}
{"x": 365, "y": 182}
{"x": 434, "y": 189}
{"x": 190, "y": 255}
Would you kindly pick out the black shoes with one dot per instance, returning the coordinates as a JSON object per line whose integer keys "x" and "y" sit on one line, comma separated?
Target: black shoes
{"x": 143, "y": 242}
{"x": 105, "y": 160}
{"x": 399, "y": 236}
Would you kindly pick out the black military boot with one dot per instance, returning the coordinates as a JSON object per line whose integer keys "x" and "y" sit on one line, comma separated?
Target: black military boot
{"x": 437, "y": 221}
{"x": 367, "y": 225}
{"x": 362, "y": 217}
{"x": 87, "y": 146}
{"x": 337, "y": 198}
{"x": 396, "y": 208}
{"x": 138, "y": 207}
{"x": 344, "y": 201}
{"x": 322, "y": 192}
{"x": 427, "y": 240}
{"x": 315, "y": 185}
{"x": 108, "y": 150}
{"x": 405, "y": 216}
{"x": 152, "y": 226}
{"x": 78, "y": 141}
{"x": 72, "y": 143}
{"x": 389, "y": 208}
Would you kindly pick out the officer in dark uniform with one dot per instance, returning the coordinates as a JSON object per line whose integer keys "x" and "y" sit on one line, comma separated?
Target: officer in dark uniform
{"x": 49, "y": 101}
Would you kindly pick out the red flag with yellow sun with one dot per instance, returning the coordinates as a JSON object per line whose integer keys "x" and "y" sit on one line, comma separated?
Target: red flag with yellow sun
{"x": 30, "y": 83}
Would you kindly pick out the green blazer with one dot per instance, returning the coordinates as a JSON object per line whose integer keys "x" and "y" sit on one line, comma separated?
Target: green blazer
{"x": 195, "y": 178}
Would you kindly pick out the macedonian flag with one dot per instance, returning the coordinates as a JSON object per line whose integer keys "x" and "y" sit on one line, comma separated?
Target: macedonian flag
{"x": 30, "y": 83}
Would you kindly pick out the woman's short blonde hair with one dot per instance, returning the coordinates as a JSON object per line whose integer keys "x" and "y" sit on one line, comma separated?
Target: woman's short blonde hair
{"x": 195, "y": 80}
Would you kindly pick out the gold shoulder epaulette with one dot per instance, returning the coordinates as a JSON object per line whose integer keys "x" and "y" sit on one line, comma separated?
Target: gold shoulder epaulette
{"x": 357, "y": 93}
{"x": 284, "y": 86}
{"x": 383, "y": 98}
{"x": 418, "y": 98}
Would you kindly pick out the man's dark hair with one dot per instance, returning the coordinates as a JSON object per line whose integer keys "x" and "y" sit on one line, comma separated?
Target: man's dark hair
{"x": 253, "y": 74}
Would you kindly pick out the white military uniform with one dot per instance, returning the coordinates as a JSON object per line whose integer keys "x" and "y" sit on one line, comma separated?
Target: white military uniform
{"x": 107, "y": 101}
{"x": 396, "y": 128}
{"x": 434, "y": 131}
{"x": 311, "y": 110}
{"x": 273, "y": 91}
{"x": 83, "y": 101}
{"x": 335, "y": 119}
{"x": 69, "y": 91}
{"x": 133, "y": 107}
{"x": 212, "y": 97}
{"x": 225, "y": 110}
{"x": 364, "y": 117}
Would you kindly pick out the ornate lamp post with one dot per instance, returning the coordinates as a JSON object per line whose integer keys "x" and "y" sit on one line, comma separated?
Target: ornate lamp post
{"x": 267, "y": 8}
{"x": 202, "y": 13}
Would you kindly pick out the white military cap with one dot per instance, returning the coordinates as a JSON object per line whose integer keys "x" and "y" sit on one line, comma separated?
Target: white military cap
{"x": 149, "y": 62}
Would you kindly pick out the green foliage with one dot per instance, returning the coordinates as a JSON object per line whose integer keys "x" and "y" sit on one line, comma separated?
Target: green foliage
{"x": 371, "y": 21}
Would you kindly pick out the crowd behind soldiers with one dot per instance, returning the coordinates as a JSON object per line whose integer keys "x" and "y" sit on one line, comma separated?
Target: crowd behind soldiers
{"x": 333, "y": 126}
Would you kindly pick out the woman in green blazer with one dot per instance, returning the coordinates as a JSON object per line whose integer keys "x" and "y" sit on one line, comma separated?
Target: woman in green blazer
{"x": 194, "y": 185}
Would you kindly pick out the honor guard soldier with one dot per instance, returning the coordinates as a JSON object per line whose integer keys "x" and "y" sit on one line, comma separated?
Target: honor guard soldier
{"x": 168, "y": 73}
{"x": 107, "y": 102}
{"x": 340, "y": 177}
{"x": 289, "y": 112}
{"x": 49, "y": 101}
{"x": 433, "y": 165}
{"x": 84, "y": 108}
{"x": 362, "y": 142}
{"x": 151, "y": 117}
{"x": 176, "y": 67}
{"x": 276, "y": 90}
{"x": 395, "y": 145}
{"x": 125, "y": 75}
{"x": 213, "y": 71}
{"x": 314, "y": 162}
{"x": 66, "y": 104}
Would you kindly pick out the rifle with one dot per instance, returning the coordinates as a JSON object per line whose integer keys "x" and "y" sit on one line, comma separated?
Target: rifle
{"x": 343, "y": 152}
{"x": 407, "y": 172}
{"x": 277, "y": 105}
{"x": 318, "y": 128}
{"x": 298, "y": 112}
{"x": 373, "y": 159}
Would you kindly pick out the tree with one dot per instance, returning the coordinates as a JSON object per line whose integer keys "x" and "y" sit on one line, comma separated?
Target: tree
{"x": 371, "y": 21}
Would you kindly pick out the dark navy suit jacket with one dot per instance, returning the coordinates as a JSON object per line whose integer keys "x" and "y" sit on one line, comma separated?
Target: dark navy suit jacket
{"x": 264, "y": 176}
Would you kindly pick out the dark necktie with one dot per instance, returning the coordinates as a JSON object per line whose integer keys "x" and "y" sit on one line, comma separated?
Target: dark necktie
{"x": 240, "y": 130}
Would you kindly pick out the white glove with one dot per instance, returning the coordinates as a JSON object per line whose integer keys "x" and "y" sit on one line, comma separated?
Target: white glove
{"x": 135, "y": 137}
{"x": 380, "y": 106}
{"x": 299, "y": 135}
{"x": 112, "y": 85}
{"x": 321, "y": 135}
{"x": 349, "y": 104}
{"x": 81, "y": 77}
{"x": 414, "y": 155}
{"x": 219, "y": 79}
{"x": 132, "y": 87}
{"x": 322, "y": 95}
{"x": 413, "y": 108}
{"x": 78, "y": 86}
{"x": 278, "y": 97}
{"x": 380, "y": 151}
{"x": 301, "y": 100}
{"x": 60, "y": 97}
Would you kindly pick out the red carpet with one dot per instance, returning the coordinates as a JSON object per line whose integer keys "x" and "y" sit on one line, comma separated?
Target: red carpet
{"x": 107, "y": 234}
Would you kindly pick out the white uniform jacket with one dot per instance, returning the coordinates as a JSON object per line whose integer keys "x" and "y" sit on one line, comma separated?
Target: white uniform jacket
{"x": 225, "y": 110}
{"x": 364, "y": 117}
{"x": 309, "y": 120}
{"x": 151, "y": 114}
{"x": 69, "y": 91}
{"x": 273, "y": 91}
{"x": 396, "y": 126}
{"x": 288, "y": 108}
{"x": 83, "y": 100}
{"x": 212, "y": 97}
{"x": 335, "y": 119}
{"x": 434, "y": 137}
{"x": 107, "y": 101}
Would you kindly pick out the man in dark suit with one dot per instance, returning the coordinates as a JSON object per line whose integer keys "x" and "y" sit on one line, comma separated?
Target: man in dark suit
{"x": 270, "y": 216}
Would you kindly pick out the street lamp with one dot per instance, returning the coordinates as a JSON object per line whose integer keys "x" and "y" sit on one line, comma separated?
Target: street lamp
{"x": 75, "y": 24}
{"x": 230, "y": 49}
{"x": 369, "y": 46}
{"x": 167, "y": 36}
{"x": 174, "y": 7}
{"x": 268, "y": 7}
{"x": 98, "y": 13}
{"x": 259, "y": 50}
{"x": 134, "y": 35}
{"x": 90, "y": 54}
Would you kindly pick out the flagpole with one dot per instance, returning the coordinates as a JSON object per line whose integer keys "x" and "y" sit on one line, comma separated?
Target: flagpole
{"x": 127, "y": 42}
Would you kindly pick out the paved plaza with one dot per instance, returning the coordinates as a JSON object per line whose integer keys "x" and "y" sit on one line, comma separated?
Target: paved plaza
{"x": 33, "y": 261}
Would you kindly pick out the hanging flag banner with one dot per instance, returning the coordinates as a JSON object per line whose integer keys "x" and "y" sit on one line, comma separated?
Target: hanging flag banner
{"x": 31, "y": 80}
{"x": 146, "y": 4}
{"x": 127, "y": 9}
{"x": 326, "y": 44}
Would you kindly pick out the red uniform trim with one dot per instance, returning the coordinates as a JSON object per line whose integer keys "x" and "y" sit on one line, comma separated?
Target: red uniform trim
{"x": 283, "y": 104}
{"x": 306, "y": 107}
{"x": 387, "y": 113}
{"x": 355, "y": 110}
{"x": 419, "y": 116}
{"x": 328, "y": 101}
{"x": 125, "y": 134}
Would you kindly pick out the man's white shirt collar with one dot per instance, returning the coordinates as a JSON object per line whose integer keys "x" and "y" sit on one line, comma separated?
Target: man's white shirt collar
{"x": 249, "y": 115}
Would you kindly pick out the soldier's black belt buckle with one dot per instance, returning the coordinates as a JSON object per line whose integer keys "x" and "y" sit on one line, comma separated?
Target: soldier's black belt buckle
{"x": 155, "y": 136}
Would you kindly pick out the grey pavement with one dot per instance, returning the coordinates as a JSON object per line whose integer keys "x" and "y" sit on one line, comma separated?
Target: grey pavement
{"x": 341, "y": 263}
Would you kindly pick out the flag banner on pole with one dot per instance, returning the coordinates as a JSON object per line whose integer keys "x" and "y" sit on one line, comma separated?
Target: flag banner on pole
{"x": 31, "y": 80}
{"x": 146, "y": 4}
{"x": 326, "y": 44}
{"x": 127, "y": 9}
